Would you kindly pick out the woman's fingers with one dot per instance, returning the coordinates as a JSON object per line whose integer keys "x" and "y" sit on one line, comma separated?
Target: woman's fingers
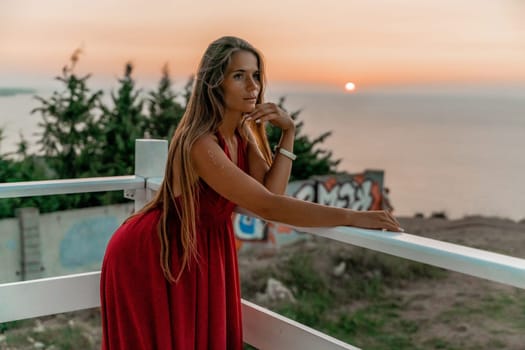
{"x": 393, "y": 224}
{"x": 270, "y": 112}
{"x": 264, "y": 113}
{"x": 259, "y": 111}
{"x": 386, "y": 222}
{"x": 395, "y": 221}
{"x": 378, "y": 220}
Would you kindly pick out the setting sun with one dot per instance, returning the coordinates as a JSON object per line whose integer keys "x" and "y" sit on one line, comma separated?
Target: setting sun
{"x": 350, "y": 86}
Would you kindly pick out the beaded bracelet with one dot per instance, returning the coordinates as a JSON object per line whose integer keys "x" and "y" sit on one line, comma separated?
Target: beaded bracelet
{"x": 286, "y": 153}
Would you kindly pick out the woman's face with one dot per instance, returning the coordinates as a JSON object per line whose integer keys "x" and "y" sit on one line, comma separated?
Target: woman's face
{"x": 241, "y": 85}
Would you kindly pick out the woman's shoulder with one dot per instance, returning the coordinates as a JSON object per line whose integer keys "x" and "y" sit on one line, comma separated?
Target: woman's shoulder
{"x": 204, "y": 141}
{"x": 208, "y": 136}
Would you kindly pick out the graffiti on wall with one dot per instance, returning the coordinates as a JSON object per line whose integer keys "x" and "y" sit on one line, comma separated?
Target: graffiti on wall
{"x": 252, "y": 229}
{"x": 361, "y": 191}
{"x": 358, "y": 193}
{"x": 82, "y": 242}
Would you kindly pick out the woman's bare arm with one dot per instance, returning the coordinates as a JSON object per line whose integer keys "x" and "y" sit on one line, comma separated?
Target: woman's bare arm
{"x": 216, "y": 169}
{"x": 276, "y": 177}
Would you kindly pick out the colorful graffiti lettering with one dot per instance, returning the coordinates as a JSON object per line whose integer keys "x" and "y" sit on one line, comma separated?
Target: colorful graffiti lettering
{"x": 359, "y": 192}
{"x": 249, "y": 229}
{"x": 354, "y": 194}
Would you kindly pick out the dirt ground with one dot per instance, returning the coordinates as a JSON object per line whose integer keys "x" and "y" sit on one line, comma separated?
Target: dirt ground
{"x": 465, "y": 298}
{"x": 456, "y": 309}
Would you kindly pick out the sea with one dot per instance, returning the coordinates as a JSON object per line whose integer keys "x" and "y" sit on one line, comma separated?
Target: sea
{"x": 452, "y": 150}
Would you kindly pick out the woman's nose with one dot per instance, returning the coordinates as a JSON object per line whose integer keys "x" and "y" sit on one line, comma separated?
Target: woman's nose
{"x": 252, "y": 84}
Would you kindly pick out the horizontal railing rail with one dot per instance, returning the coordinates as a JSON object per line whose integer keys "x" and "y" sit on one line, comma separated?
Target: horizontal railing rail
{"x": 454, "y": 257}
{"x": 262, "y": 328}
{"x": 70, "y": 186}
{"x": 48, "y": 296}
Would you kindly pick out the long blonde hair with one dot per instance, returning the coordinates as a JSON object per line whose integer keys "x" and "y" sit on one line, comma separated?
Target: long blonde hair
{"x": 204, "y": 113}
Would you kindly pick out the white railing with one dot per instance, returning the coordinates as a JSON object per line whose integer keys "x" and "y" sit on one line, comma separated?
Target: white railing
{"x": 262, "y": 328}
{"x": 51, "y": 187}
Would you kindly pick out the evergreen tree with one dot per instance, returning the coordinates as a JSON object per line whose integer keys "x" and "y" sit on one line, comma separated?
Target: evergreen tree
{"x": 2, "y": 138}
{"x": 5, "y": 162}
{"x": 6, "y": 175}
{"x": 121, "y": 127}
{"x": 22, "y": 166}
{"x": 71, "y": 139}
{"x": 164, "y": 110}
{"x": 70, "y": 124}
{"x": 188, "y": 89}
{"x": 77, "y": 142}
{"x": 30, "y": 167}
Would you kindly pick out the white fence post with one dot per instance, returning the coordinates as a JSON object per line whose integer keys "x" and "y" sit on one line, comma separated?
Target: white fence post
{"x": 150, "y": 161}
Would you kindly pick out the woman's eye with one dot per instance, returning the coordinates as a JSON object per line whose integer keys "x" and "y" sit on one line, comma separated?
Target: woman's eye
{"x": 257, "y": 76}
{"x": 237, "y": 76}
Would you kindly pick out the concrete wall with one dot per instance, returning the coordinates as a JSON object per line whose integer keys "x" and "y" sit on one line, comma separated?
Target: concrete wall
{"x": 71, "y": 241}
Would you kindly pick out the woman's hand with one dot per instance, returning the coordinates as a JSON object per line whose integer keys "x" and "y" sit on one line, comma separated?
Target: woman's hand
{"x": 376, "y": 220}
{"x": 272, "y": 113}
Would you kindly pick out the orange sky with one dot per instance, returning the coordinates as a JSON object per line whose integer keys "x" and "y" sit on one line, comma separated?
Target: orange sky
{"x": 380, "y": 42}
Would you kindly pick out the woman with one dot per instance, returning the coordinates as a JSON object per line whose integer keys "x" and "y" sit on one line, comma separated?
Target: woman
{"x": 169, "y": 277}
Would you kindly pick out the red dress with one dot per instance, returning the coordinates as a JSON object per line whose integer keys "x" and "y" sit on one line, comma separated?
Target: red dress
{"x": 141, "y": 310}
